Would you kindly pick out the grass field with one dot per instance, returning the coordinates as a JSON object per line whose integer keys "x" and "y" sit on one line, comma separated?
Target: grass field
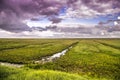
{"x": 89, "y": 59}
{"x": 27, "y": 50}
{"x": 7, "y": 73}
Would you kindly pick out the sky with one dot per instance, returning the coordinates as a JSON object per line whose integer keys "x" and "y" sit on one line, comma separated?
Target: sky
{"x": 59, "y": 18}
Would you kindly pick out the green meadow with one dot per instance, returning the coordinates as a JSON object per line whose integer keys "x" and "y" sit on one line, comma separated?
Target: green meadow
{"x": 88, "y": 59}
{"x": 28, "y": 50}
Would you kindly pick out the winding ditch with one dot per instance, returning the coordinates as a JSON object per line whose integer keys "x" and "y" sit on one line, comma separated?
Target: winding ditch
{"x": 43, "y": 60}
{"x": 53, "y": 57}
{"x": 11, "y": 64}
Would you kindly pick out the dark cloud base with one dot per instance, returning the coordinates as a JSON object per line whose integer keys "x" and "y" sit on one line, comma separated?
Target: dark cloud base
{"x": 14, "y": 12}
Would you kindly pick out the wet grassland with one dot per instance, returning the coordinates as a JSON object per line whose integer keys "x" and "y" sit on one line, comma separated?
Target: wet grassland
{"x": 88, "y": 59}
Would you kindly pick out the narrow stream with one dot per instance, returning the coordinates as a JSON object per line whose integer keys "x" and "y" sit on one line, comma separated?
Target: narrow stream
{"x": 53, "y": 57}
{"x": 43, "y": 60}
{"x": 11, "y": 64}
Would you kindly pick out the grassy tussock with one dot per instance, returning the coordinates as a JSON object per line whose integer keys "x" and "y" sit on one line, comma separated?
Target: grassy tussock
{"x": 28, "y": 74}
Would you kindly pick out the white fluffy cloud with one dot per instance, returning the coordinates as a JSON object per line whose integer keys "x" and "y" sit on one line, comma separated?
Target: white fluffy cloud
{"x": 92, "y": 8}
{"x": 119, "y": 17}
{"x": 14, "y": 12}
{"x": 6, "y": 34}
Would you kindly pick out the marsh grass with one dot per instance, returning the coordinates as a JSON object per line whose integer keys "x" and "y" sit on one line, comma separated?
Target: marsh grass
{"x": 27, "y": 50}
{"x": 90, "y": 58}
{"x": 7, "y": 73}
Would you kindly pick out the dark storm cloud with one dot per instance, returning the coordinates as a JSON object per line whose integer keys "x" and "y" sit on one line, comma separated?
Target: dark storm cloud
{"x": 10, "y": 22}
{"x": 109, "y": 26}
{"x": 35, "y": 19}
{"x": 42, "y": 7}
{"x": 108, "y": 21}
{"x": 18, "y": 10}
{"x": 28, "y": 8}
{"x": 13, "y": 12}
{"x": 55, "y": 20}
{"x": 18, "y": 27}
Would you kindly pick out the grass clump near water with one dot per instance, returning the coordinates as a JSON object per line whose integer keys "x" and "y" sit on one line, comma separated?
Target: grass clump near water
{"x": 7, "y": 73}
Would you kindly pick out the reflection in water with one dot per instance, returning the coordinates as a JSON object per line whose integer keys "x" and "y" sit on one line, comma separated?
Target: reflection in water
{"x": 11, "y": 64}
{"x": 43, "y": 60}
{"x": 53, "y": 57}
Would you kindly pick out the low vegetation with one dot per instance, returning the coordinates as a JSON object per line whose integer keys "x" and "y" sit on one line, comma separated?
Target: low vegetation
{"x": 7, "y": 73}
{"x": 111, "y": 43}
{"x": 27, "y": 50}
{"x": 89, "y": 59}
